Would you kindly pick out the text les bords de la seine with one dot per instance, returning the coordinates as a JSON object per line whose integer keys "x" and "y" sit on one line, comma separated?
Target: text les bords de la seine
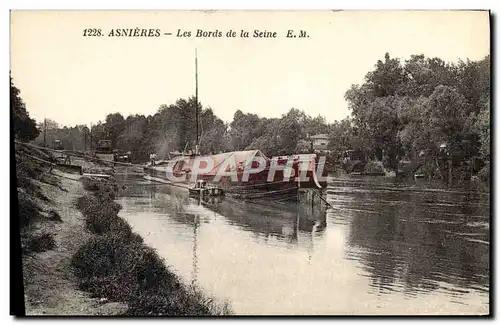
{"x": 198, "y": 33}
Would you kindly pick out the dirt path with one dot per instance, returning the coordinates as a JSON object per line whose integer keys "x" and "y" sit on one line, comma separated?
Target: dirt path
{"x": 50, "y": 287}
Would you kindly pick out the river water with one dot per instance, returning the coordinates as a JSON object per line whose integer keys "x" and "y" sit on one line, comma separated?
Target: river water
{"x": 386, "y": 247}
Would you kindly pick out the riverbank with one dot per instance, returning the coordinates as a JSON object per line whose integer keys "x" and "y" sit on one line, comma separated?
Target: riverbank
{"x": 80, "y": 258}
{"x": 117, "y": 265}
{"x": 51, "y": 231}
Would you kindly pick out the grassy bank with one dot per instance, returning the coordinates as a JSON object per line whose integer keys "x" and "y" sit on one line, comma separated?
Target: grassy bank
{"x": 115, "y": 263}
{"x": 51, "y": 230}
{"x": 82, "y": 259}
{"x": 30, "y": 174}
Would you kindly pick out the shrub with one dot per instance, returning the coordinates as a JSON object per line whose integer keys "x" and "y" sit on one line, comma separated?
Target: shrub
{"x": 373, "y": 167}
{"x": 90, "y": 184}
{"x": 41, "y": 243}
{"x": 28, "y": 210}
{"x": 54, "y": 215}
{"x": 117, "y": 265}
{"x": 123, "y": 270}
{"x": 108, "y": 266}
{"x": 101, "y": 215}
{"x": 49, "y": 179}
{"x": 26, "y": 171}
{"x": 484, "y": 173}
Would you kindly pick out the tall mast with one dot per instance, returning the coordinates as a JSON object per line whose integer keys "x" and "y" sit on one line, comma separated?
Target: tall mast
{"x": 90, "y": 136}
{"x": 196, "y": 98}
{"x": 45, "y": 133}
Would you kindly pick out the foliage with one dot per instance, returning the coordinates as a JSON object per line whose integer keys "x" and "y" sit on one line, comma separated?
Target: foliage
{"x": 483, "y": 127}
{"x": 24, "y": 127}
{"x": 29, "y": 211}
{"x": 172, "y": 128}
{"x": 40, "y": 243}
{"x": 342, "y": 136}
{"x": 115, "y": 264}
{"x": 405, "y": 109}
{"x": 72, "y": 138}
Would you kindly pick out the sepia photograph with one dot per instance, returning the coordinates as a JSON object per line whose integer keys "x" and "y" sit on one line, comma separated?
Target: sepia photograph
{"x": 250, "y": 163}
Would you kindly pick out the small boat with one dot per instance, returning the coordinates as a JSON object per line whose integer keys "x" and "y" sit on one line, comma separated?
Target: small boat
{"x": 202, "y": 189}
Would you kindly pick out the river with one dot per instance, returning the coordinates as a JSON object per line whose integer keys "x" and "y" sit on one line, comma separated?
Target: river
{"x": 387, "y": 247}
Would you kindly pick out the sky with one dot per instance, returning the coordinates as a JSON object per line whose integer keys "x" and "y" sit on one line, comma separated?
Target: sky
{"x": 73, "y": 79}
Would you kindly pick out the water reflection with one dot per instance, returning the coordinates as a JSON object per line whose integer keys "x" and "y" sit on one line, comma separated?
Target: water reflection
{"x": 194, "y": 276}
{"x": 416, "y": 240}
{"x": 387, "y": 247}
{"x": 297, "y": 225}
{"x": 282, "y": 221}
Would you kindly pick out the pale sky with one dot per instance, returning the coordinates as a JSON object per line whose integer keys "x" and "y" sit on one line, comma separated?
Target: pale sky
{"x": 74, "y": 79}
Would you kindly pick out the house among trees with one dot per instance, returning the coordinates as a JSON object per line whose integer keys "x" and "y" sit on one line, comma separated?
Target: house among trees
{"x": 320, "y": 143}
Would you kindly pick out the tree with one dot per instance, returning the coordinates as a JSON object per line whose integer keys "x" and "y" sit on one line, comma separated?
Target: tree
{"x": 414, "y": 133}
{"x": 315, "y": 125}
{"x": 269, "y": 142}
{"x": 404, "y": 109}
{"x": 423, "y": 75}
{"x": 214, "y": 137}
{"x": 290, "y": 130}
{"x": 131, "y": 139}
{"x": 483, "y": 125}
{"x": 473, "y": 82}
{"x": 243, "y": 130}
{"x": 342, "y": 137}
{"x": 114, "y": 126}
{"x": 387, "y": 77}
{"x": 447, "y": 113}
{"x": 48, "y": 124}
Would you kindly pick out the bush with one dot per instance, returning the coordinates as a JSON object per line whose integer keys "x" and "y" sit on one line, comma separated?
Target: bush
{"x": 26, "y": 171}
{"x": 101, "y": 215}
{"x": 24, "y": 168}
{"x": 54, "y": 216}
{"x": 90, "y": 184}
{"x": 114, "y": 267}
{"x": 118, "y": 266}
{"x": 484, "y": 173}
{"x": 104, "y": 265}
{"x": 172, "y": 305}
{"x": 373, "y": 167}
{"x": 28, "y": 210}
{"x": 187, "y": 301}
{"x": 122, "y": 270}
{"x": 105, "y": 189}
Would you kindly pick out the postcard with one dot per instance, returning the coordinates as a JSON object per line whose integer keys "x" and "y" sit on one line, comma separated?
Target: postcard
{"x": 244, "y": 163}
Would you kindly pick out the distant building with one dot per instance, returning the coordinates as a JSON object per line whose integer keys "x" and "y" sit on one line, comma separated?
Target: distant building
{"x": 320, "y": 142}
